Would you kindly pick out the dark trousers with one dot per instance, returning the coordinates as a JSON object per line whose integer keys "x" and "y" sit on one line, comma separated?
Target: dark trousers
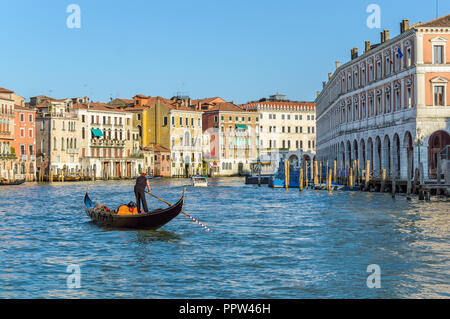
{"x": 140, "y": 197}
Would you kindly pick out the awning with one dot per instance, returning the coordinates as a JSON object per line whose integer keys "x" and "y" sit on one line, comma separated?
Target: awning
{"x": 97, "y": 132}
{"x": 241, "y": 126}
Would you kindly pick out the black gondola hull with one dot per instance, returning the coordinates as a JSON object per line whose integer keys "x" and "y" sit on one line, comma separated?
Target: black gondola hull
{"x": 151, "y": 220}
{"x": 20, "y": 182}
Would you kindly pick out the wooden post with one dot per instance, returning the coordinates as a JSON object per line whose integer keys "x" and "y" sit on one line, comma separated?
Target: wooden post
{"x": 350, "y": 178}
{"x": 306, "y": 174}
{"x": 51, "y": 176}
{"x": 300, "y": 180}
{"x": 329, "y": 175}
{"x": 335, "y": 171}
{"x": 316, "y": 175}
{"x": 320, "y": 172}
{"x": 286, "y": 174}
{"x": 347, "y": 166}
{"x": 367, "y": 177}
{"x": 383, "y": 180}
{"x": 393, "y": 186}
{"x": 408, "y": 173}
{"x": 312, "y": 170}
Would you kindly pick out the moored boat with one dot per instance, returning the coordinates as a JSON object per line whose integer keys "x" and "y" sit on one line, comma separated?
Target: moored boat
{"x": 154, "y": 219}
{"x": 8, "y": 183}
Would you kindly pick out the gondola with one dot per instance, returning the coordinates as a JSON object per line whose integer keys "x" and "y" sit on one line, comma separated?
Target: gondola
{"x": 151, "y": 220}
{"x": 19, "y": 182}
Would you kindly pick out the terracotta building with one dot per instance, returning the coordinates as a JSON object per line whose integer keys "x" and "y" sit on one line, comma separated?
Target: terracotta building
{"x": 25, "y": 142}
{"x": 234, "y": 136}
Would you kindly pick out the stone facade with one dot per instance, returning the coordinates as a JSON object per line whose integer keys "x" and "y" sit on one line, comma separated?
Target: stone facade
{"x": 391, "y": 104}
{"x": 284, "y": 124}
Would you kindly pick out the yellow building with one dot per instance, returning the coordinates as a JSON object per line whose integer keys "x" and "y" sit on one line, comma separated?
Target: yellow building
{"x": 172, "y": 124}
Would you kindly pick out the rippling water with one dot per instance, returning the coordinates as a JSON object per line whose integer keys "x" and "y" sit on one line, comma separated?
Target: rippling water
{"x": 265, "y": 244}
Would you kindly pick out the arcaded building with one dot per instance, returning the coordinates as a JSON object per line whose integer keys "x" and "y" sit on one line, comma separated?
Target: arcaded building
{"x": 390, "y": 105}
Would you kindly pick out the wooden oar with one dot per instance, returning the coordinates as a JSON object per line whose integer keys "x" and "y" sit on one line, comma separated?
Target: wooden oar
{"x": 181, "y": 211}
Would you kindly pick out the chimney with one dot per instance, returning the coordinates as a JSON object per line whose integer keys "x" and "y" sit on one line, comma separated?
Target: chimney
{"x": 354, "y": 53}
{"x": 404, "y": 26}
{"x": 329, "y": 76}
{"x": 366, "y": 46}
{"x": 384, "y": 36}
{"x": 338, "y": 64}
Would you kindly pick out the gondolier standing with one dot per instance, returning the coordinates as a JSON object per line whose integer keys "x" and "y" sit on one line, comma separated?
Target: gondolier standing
{"x": 139, "y": 192}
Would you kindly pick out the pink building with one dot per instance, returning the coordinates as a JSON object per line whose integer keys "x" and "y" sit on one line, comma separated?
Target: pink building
{"x": 25, "y": 142}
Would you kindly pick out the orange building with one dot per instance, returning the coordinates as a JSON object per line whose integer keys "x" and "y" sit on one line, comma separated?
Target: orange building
{"x": 25, "y": 142}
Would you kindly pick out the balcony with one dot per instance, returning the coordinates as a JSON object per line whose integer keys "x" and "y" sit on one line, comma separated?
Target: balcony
{"x": 8, "y": 156}
{"x": 33, "y": 158}
{"x": 23, "y": 158}
{"x": 72, "y": 151}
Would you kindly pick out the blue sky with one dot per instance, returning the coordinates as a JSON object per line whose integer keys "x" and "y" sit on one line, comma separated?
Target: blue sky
{"x": 240, "y": 50}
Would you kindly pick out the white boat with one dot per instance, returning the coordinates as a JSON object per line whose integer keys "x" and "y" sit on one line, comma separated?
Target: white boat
{"x": 199, "y": 181}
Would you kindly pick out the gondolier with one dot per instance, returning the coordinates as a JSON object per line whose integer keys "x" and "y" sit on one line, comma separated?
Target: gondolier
{"x": 139, "y": 191}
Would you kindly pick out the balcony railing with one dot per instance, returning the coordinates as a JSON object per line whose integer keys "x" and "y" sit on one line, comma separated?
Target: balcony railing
{"x": 23, "y": 158}
{"x": 72, "y": 151}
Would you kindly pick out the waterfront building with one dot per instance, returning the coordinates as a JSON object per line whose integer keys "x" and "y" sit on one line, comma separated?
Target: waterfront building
{"x": 162, "y": 161}
{"x": 174, "y": 125}
{"x": 58, "y": 135}
{"x": 7, "y": 150}
{"x": 24, "y": 141}
{"x": 109, "y": 143}
{"x": 390, "y": 105}
{"x": 234, "y": 137}
{"x": 285, "y": 125}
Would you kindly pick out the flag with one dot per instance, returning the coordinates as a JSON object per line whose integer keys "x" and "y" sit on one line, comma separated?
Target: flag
{"x": 400, "y": 53}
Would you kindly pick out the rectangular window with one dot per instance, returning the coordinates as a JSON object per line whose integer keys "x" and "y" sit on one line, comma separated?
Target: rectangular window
{"x": 165, "y": 121}
{"x": 22, "y": 132}
{"x": 30, "y": 132}
{"x": 439, "y": 95}
{"x": 438, "y": 54}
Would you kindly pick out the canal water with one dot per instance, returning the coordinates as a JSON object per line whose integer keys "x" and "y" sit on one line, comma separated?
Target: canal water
{"x": 265, "y": 243}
